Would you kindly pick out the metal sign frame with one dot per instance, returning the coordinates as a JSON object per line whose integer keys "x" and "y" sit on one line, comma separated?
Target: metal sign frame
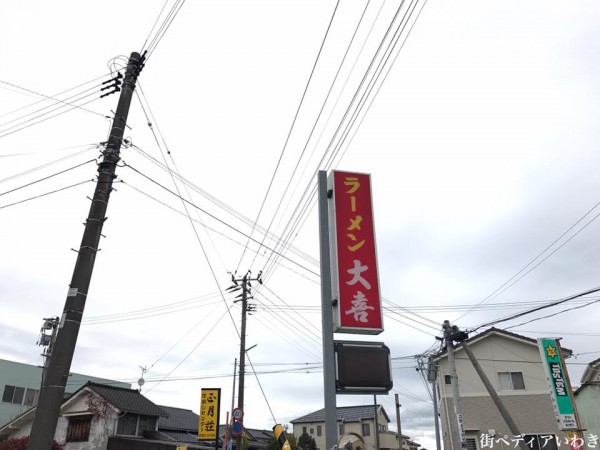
{"x": 362, "y": 367}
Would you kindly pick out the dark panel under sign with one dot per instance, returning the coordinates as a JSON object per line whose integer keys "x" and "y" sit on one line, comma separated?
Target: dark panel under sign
{"x": 362, "y": 368}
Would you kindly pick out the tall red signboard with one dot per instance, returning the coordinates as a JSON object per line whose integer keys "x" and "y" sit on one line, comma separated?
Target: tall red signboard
{"x": 355, "y": 280}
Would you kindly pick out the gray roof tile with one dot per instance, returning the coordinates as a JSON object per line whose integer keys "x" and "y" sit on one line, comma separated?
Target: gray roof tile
{"x": 178, "y": 419}
{"x": 128, "y": 400}
{"x": 343, "y": 413}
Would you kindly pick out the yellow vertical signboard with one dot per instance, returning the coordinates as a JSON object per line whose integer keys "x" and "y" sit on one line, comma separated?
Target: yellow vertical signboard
{"x": 208, "y": 426}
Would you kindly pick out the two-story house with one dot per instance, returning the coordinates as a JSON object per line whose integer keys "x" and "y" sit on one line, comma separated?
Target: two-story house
{"x": 356, "y": 429}
{"x": 513, "y": 365}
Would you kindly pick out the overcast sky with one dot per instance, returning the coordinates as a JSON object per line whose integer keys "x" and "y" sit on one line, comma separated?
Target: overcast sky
{"x": 480, "y": 135}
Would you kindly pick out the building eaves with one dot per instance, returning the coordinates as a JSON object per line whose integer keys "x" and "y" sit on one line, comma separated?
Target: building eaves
{"x": 178, "y": 419}
{"x": 126, "y": 400}
{"x": 343, "y": 414}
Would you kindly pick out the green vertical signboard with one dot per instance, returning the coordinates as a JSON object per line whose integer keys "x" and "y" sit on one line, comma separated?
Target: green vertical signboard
{"x": 560, "y": 391}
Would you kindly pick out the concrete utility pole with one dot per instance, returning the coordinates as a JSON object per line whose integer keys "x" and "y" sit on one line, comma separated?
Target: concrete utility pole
{"x": 449, "y": 333}
{"x": 398, "y": 423}
{"x": 244, "y": 284}
{"x": 52, "y": 392}
{"x": 431, "y": 376}
{"x": 376, "y": 422}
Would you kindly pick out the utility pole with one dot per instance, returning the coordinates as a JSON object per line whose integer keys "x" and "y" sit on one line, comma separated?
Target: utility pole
{"x": 431, "y": 376}
{"x": 398, "y": 423}
{"x": 53, "y": 388}
{"x": 329, "y": 391}
{"x": 449, "y": 336}
{"x": 376, "y": 422}
{"x": 244, "y": 284}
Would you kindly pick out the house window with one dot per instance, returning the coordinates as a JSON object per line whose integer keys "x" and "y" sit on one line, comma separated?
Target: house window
{"x": 31, "y": 397}
{"x": 19, "y": 395}
{"x": 9, "y": 391}
{"x": 448, "y": 379}
{"x": 366, "y": 429}
{"x": 135, "y": 425}
{"x": 540, "y": 441}
{"x": 303, "y": 430}
{"x": 471, "y": 444}
{"x": 79, "y": 429}
{"x": 319, "y": 430}
{"x": 342, "y": 429}
{"x": 510, "y": 381}
{"x": 312, "y": 431}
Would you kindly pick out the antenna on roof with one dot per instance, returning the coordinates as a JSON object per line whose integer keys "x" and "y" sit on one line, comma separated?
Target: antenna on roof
{"x": 141, "y": 381}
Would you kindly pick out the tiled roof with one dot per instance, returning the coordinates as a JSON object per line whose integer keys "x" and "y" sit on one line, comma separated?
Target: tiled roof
{"x": 172, "y": 436}
{"x": 343, "y": 413}
{"x": 128, "y": 400}
{"x": 178, "y": 419}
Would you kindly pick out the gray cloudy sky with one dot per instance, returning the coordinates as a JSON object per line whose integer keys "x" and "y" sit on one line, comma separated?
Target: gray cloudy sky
{"x": 481, "y": 142}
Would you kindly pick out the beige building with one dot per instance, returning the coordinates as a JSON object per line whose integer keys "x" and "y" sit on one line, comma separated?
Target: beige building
{"x": 587, "y": 397}
{"x": 355, "y": 429}
{"x": 514, "y": 367}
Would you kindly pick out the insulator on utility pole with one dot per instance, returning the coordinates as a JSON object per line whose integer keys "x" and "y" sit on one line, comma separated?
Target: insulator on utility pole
{"x": 53, "y": 387}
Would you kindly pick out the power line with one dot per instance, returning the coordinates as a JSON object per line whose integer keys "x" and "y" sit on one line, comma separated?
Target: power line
{"x": 291, "y": 128}
{"x": 555, "y": 314}
{"x": 513, "y": 280}
{"x": 211, "y": 215}
{"x": 46, "y": 193}
{"x": 362, "y": 101}
{"x": 47, "y": 177}
{"x": 539, "y": 308}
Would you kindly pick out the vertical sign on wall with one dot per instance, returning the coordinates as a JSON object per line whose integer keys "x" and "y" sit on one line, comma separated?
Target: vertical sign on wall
{"x": 355, "y": 280}
{"x": 560, "y": 390}
{"x": 208, "y": 426}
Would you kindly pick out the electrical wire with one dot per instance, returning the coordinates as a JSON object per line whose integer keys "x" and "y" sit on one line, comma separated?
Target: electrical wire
{"x": 394, "y": 43}
{"x": 539, "y": 308}
{"x": 50, "y": 97}
{"x": 5, "y": 133}
{"x": 165, "y": 25}
{"x": 513, "y": 280}
{"x": 151, "y": 124}
{"x": 289, "y": 183}
{"x": 193, "y": 349}
{"x": 234, "y": 213}
{"x": 46, "y": 194}
{"x": 47, "y": 177}
{"x": 261, "y": 389}
{"x": 209, "y": 214}
{"x": 555, "y": 314}
{"x": 291, "y": 128}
